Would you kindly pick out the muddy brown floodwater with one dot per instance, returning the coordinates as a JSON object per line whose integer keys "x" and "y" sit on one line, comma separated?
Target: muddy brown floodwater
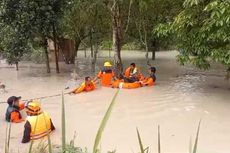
{"x": 181, "y": 97}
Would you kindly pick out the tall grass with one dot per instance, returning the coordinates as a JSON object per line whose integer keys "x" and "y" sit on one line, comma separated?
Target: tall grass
{"x": 190, "y": 145}
{"x": 140, "y": 142}
{"x": 63, "y": 125}
{"x": 197, "y": 138}
{"x": 103, "y": 124}
{"x": 7, "y": 139}
{"x": 142, "y": 149}
{"x": 159, "y": 139}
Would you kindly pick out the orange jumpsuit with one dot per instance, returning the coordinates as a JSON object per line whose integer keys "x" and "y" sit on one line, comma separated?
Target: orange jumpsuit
{"x": 85, "y": 87}
{"x": 106, "y": 77}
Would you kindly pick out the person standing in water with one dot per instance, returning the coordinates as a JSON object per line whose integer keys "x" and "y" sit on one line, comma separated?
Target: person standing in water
{"x": 87, "y": 85}
{"x": 106, "y": 75}
{"x": 149, "y": 81}
{"x": 13, "y": 110}
{"x": 38, "y": 123}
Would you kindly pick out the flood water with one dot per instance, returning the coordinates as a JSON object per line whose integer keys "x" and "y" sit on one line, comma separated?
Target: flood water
{"x": 181, "y": 97}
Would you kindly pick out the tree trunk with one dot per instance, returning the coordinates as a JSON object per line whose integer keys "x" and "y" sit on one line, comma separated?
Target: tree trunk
{"x": 94, "y": 57}
{"x": 146, "y": 46}
{"x": 154, "y": 47}
{"x": 76, "y": 45}
{"x": 153, "y": 54}
{"x": 45, "y": 46}
{"x": 91, "y": 44}
{"x": 55, "y": 49}
{"x": 85, "y": 52}
{"x": 117, "y": 36}
{"x": 228, "y": 74}
{"x": 16, "y": 63}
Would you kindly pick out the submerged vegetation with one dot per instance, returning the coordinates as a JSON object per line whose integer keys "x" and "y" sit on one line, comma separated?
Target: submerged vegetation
{"x": 47, "y": 147}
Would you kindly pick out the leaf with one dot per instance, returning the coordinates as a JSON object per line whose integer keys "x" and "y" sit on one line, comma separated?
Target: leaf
{"x": 104, "y": 123}
{"x": 140, "y": 142}
{"x": 197, "y": 138}
{"x": 159, "y": 140}
{"x": 63, "y": 125}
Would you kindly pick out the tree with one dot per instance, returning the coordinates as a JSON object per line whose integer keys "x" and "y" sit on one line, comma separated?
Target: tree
{"x": 203, "y": 31}
{"x": 148, "y": 15}
{"x": 12, "y": 45}
{"x": 33, "y": 20}
{"x": 14, "y": 35}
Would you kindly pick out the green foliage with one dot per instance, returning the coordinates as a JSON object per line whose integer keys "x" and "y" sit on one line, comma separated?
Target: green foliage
{"x": 36, "y": 55}
{"x": 40, "y": 148}
{"x": 71, "y": 148}
{"x": 26, "y": 21}
{"x": 103, "y": 124}
{"x": 149, "y": 22}
{"x": 142, "y": 149}
{"x": 203, "y": 32}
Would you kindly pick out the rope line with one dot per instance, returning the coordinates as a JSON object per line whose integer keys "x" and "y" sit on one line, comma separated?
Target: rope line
{"x": 44, "y": 97}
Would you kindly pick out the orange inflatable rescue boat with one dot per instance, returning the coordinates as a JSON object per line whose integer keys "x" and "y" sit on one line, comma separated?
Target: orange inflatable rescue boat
{"x": 124, "y": 85}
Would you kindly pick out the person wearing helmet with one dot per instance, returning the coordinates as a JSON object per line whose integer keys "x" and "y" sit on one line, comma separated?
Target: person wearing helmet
{"x": 38, "y": 123}
{"x": 87, "y": 85}
{"x": 106, "y": 75}
{"x": 13, "y": 110}
{"x": 149, "y": 81}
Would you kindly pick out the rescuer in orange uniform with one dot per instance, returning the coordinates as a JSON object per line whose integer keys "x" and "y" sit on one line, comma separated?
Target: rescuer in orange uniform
{"x": 38, "y": 123}
{"x": 132, "y": 74}
{"x": 13, "y": 111}
{"x": 149, "y": 81}
{"x": 87, "y": 85}
{"x": 106, "y": 75}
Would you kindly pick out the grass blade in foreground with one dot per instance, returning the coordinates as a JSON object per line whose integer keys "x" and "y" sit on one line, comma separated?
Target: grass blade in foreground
{"x": 6, "y": 141}
{"x": 32, "y": 141}
{"x": 140, "y": 142}
{"x": 190, "y": 145}
{"x": 197, "y": 137}
{"x": 103, "y": 123}
{"x": 63, "y": 125}
{"x": 159, "y": 140}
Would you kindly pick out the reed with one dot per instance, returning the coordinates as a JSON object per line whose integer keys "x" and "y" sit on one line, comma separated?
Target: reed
{"x": 197, "y": 138}
{"x": 159, "y": 139}
{"x": 103, "y": 124}
{"x": 63, "y": 121}
{"x": 7, "y": 139}
{"x": 140, "y": 142}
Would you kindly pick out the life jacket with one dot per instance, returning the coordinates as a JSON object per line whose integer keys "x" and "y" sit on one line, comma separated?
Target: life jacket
{"x": 85, "y": 87}
{"x": 106, "y": 76}
{"x": 150, "y": 80}
{"x": 129, "y": 71}
{"x": 9, "y": 110}
{"x": 40, "y": 125}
